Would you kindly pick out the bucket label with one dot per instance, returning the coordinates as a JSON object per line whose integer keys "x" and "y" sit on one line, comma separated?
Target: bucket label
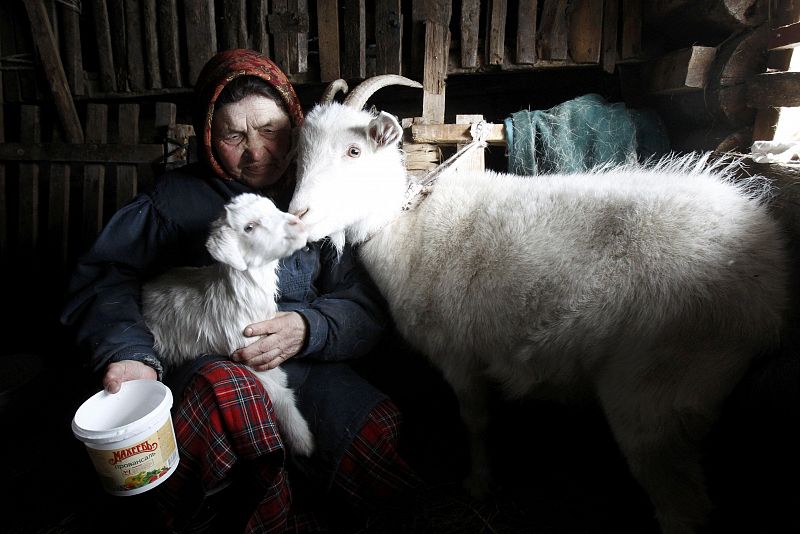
{"x": 134, "y": 467}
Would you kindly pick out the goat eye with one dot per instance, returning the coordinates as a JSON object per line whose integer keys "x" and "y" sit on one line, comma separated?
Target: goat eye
{"x": 353, "y": 151}
{"x": 249, "y": 227}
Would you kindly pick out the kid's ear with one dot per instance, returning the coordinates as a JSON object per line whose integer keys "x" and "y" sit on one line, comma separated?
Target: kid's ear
{"x": 384, "y": 130}
{"x": 223, "y": 246}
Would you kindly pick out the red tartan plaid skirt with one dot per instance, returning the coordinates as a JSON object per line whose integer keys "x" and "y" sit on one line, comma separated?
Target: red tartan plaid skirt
{"x": 225, "y": 425}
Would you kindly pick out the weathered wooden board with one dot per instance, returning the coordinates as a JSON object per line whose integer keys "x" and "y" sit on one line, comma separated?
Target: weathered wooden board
{"x": 133, "y": 45}
{"x": 585, "y": 39}
{"x": 388, "y": 36}
{"x": 784, "y": 37}
{"x": 474, "y": 160}
{"x": 437, "y": 44}
{"x": 116, "y": 20}
{"x": 354, "y": 60}
{"x": 105, "y": 54}
{"x": 259, "y": 37}
{"x": 151, "y": 56}
{"x": 453, "y": 134}
{"x": 87, "y": 153}
{"x": 58, "y": 187}
{"x": 28, "y": 187}
{"x": 552, "y": 40}
{"x": 681, "y": 70}
{"x": 201, "y": 34}
{"x": 631, "y": 44}
{"x": 234, "y": 24}
{"x": 328, "y": 29}
{"x": 72, "y": 54}
{"x": 496, "y": 33}
{"x": 610, "y": 35}
{"x": 526, "y": 31}
{"x": 470, "y": 18}
{"x": 168, "y": 43}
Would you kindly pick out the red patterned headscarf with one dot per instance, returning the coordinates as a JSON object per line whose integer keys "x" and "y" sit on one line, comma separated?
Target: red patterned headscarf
{"x": 219, "y": 72}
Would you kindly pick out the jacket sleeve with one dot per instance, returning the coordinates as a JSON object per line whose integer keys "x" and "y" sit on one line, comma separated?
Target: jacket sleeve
{"x": 348, "y": 317}
{"x": 104, "y": 295}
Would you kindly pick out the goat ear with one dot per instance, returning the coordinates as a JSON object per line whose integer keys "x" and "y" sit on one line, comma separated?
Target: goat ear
{"x": 384, "y": 130}
{"x": 223, "y": 246}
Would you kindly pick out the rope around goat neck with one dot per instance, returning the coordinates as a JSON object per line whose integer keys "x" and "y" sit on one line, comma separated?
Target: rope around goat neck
{"x": 418, "y": 190}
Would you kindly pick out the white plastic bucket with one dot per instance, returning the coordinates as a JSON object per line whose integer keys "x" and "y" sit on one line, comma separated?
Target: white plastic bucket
{"x": 129, "y": 436}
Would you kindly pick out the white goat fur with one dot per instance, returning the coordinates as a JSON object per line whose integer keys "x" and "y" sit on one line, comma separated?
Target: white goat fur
{"x": 201, "y": 310}
{"x": 648, "y": 289}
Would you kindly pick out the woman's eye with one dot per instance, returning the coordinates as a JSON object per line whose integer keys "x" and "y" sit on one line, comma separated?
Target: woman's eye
{"x": 353, "y": 151}
{"x": 249, "y": 227}
{"x": 233, "y": 138}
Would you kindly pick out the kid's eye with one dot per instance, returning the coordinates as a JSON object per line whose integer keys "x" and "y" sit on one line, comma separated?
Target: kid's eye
{"x": 353, "y": 151}
{"x": 249, "y": 227}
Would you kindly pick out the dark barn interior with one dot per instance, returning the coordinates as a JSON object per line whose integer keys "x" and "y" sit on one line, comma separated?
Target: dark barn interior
{"x": 96, "y": 104}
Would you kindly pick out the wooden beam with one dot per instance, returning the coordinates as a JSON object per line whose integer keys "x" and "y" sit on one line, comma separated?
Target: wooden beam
{"x": 152, "y": 63}
{"x": 201, "y": 34}
{"x": 127, "y": 178}
{"x": 496, "y": 24}
{"x": 774, "y": 90}
{"x": 631, "y": 45}
{"x": 680, "y": 71}
{"x": 234, "y": 24}
{"x": 328, "y": 31}
{"x": 526, "y": 31}
{"x": 354, "y": 62}
{"x": 585, "y": 39}
{"x": 785, "y": 37}
{"x": 453, "y": 134}
{"x": 81, "y": 153}
{"x": 298, "y": 38}
{"x": 388, "y": 36}
{"x": 259, "y": 37}
{"x": 28, "y": 194}
{"x": 438, "y": 11}
{"x": 53, "y": 70}
{"x": 474, "y": 160}
{"x": 58, "y": 187}
{"x": 116, "y": 20}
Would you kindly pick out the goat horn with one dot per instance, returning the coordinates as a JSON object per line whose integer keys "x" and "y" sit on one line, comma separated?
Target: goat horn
{"x": 359, "y": 96}
{"x": 330, "y": 92}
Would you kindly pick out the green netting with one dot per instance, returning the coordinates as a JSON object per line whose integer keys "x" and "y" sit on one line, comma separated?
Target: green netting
{"x": 580, "y": 134}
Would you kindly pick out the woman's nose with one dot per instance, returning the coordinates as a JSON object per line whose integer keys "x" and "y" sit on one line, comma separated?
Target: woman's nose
{"x": 255, "y": 148}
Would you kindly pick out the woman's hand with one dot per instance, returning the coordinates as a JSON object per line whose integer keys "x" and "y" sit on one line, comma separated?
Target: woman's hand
{"x": 122, "y": 371}
{"x": 283, "y": 336}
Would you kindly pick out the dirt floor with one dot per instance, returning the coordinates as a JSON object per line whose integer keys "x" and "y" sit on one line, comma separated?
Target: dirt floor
{"x": 557, "y": 468}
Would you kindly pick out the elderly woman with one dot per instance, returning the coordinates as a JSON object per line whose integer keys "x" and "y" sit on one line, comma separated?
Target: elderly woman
{"x": 330, "y": 312}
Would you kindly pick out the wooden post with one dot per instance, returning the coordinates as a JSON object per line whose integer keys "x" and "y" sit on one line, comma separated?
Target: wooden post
{"x": 94, "y": 175}
{"x": 438, "y": 11}
{"x": 151, "y": 44}
{"x": 128, "y": 135}
{"x": 388, "y": 36}
{"x": 470, "y": 24}
{"x": 354, "y": 64}
{"x": 108, "y": 79}
{"x": 58, "y": 213}
{"x": 201, "y": 34}
{"x": 54, "y": 72}
{"x": 475, "y": 160}
{"x": 258, "y": 36}
{"x": 328, "y": 30}
{"x": 526, "y": 31}
{"x": 496, "y": 24}
{"x": 168, "y": 43}
{"x": 631, "y": 29}
{"x": 298, "y": 37}
{"x": 116, "y": 20}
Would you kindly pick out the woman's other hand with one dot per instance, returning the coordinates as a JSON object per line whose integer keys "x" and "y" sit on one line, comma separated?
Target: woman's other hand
{"x": 122, "y": 371}
{"x": 283, "y": 336}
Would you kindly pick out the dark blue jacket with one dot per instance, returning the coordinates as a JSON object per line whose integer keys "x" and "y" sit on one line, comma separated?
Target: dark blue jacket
{"x": 167, "y": 227}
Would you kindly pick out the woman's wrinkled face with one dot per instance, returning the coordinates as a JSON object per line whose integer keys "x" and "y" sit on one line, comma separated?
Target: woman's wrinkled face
{"x": 251, "y": 139}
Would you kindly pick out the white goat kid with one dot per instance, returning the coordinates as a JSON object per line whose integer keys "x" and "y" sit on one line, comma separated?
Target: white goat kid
{"x": 649, "y": 289}
{"x": 200, "y": 310}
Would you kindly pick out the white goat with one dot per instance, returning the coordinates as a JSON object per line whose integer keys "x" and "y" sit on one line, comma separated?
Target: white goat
{"x": 647, "y": 289}
{"x": 199, "y": 310}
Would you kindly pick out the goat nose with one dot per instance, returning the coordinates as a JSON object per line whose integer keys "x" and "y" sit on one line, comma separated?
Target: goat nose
{"x": 299, "y": 213}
